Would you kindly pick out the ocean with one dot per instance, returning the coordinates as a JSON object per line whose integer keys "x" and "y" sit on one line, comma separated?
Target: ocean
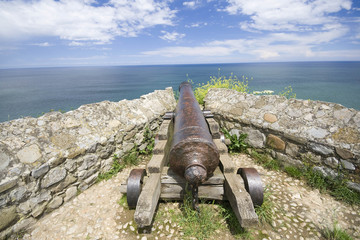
{"x": 33, "y": 91}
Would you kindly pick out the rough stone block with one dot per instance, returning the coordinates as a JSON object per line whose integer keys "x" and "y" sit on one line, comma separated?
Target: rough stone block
{"x": 29, "y": 154}
{"x": 18, "y": 194}
{"x": 269, "y": 117}
{"x": 344, "y": 154}
{"x": 292, "y": 149}
{"x": 55, "y": 175}
{"x": 55, "y": 203}
{"x": 24, "y": 224}
{"x": 39, "y": 209}
{"x": 254, "y": 138}
{"x": 7, "y": 216}
{"x": 318, "y": 148}
{"x": 8, "y": 183}
{"x": 40, "y": 171}
{"x": 4, "y": 161}
{"x": 332, "y": 162}
{"x": 347, "y": 165}
{"x": 70, "y": 193}
{"x": 275, "y": 142}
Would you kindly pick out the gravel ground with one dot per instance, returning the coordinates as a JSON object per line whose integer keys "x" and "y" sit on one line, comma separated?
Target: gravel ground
{"x": 299, "y": 213}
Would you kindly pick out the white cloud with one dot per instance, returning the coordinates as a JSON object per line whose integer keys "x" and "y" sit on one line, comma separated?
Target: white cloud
{"x": 196, "y": 25}
{"x": 80, "y": 20}
{"x": 171, "y": 37}
{"x": 275, "y": 46}
{"x": 288, "y": 15}
{"x": 192, "y": 4}
{"x": 44, "y": 44}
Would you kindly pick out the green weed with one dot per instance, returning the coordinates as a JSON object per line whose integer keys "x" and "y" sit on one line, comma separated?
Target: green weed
{"x": 264, "y": 211}
{"x": 293, "y": 172}
{"x": 149, "y": 140}
{"x": 237, "y": 143}
{"x": 287, "y": 92}
{"x": 265, "y": 160}
{"x": 231, "y": 82}
{"x": 336, "y": 233}
{"x": 123, "y": 201}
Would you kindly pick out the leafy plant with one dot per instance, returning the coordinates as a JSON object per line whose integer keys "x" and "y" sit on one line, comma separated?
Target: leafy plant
{"x": 231, "y": 82}
{"x": 287, "y": 92}
{"x": 237, "y": 143}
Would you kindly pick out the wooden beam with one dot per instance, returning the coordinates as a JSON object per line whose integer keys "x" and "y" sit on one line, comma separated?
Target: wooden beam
{"x": 148, "y": 201}
{"x": 156, "y": 164}
{"x": 240, "y": 201}
{"x": 214, "y": 128}
{"x": 226, "y": 165}
{"x": 222, "y": 148}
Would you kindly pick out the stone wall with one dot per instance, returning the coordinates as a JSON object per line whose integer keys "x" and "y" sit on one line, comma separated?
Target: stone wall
{"x": 326, "y": 135}
{"x": 46, "y": 161}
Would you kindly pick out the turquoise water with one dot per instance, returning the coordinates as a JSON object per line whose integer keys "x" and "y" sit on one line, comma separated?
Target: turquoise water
{"x": 29, "y": 92}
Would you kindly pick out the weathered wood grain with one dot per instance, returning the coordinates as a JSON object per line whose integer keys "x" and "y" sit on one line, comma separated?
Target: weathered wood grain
{"x": 226, "y": 165}
{"x": 148, "y": 201}
{"x": 156, "y": 164}
{"x": 240, "y": 201}
{"x": 214, "y": 128}
{"x": 222, "y": 148}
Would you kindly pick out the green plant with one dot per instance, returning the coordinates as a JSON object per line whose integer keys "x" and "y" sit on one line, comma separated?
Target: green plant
{"x": 264, "y": 159}
{"x": 293, "y": 172}
{"x": 336, "y": 233}
{"x": 149, "y": 141}
{"x": 287, "y": 92}
{"x": 199, "y": 225}
{"x": 231, "y": 82}
{"x": 336, "y": 187}
{"x": 123, "y": 201}
{"x": 264, "y": 211}
{"x": 233, "y": 223}
{"x": 237, "y": 143}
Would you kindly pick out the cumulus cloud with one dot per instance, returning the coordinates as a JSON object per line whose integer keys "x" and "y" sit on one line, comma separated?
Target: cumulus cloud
{"x": 81, "y": 21}
{"x": 191, "y": 4}
{"x": 288, "y": 15}
{"x": 171, "y": 37}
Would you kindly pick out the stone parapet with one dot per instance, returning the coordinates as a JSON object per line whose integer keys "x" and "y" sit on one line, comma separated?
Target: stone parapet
{"x": 45, "y": 161}
{"x": 296, "y": 131}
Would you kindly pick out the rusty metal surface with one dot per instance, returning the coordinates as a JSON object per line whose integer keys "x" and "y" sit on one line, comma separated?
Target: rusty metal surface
{"x": 134, "y": 186}
{"x": 193, "y": 153}
{"x": 253, "y": 185}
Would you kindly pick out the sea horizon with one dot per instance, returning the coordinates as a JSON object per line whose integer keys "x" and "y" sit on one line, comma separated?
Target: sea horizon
{"x": 31, "y": 91}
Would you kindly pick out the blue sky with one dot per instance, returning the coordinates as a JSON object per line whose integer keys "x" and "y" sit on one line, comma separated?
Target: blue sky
{"x": 39, "y": 33}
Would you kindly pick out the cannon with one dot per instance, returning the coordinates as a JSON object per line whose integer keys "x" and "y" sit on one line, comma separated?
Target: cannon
{"x": 190, "y": 152}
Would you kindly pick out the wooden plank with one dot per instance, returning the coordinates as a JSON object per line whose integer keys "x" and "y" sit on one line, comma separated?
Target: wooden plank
{"x": 222, "y": 148}
{"x": 226, "y": 165}
{"x": 159, "y": 147}
{"x": 148, "y": 201}
{"x": 176, "y": 191}
{"x": 168, "y": 176}
{"x": 240, "y": 201}
{"x": 214, "y": 128}
{"x": 156, "y": 164}
{"x": 163, "y": 130}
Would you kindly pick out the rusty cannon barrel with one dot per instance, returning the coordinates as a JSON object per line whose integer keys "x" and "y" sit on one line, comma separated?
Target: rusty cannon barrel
{"x": 193, "y": 153}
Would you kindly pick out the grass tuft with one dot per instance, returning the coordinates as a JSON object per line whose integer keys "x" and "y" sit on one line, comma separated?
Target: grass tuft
{"x": 336, "y": 233}
{"x": 265, "y": 211}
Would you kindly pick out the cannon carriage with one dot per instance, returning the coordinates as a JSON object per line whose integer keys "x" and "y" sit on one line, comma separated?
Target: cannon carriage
{"x": 190, "y": 153}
